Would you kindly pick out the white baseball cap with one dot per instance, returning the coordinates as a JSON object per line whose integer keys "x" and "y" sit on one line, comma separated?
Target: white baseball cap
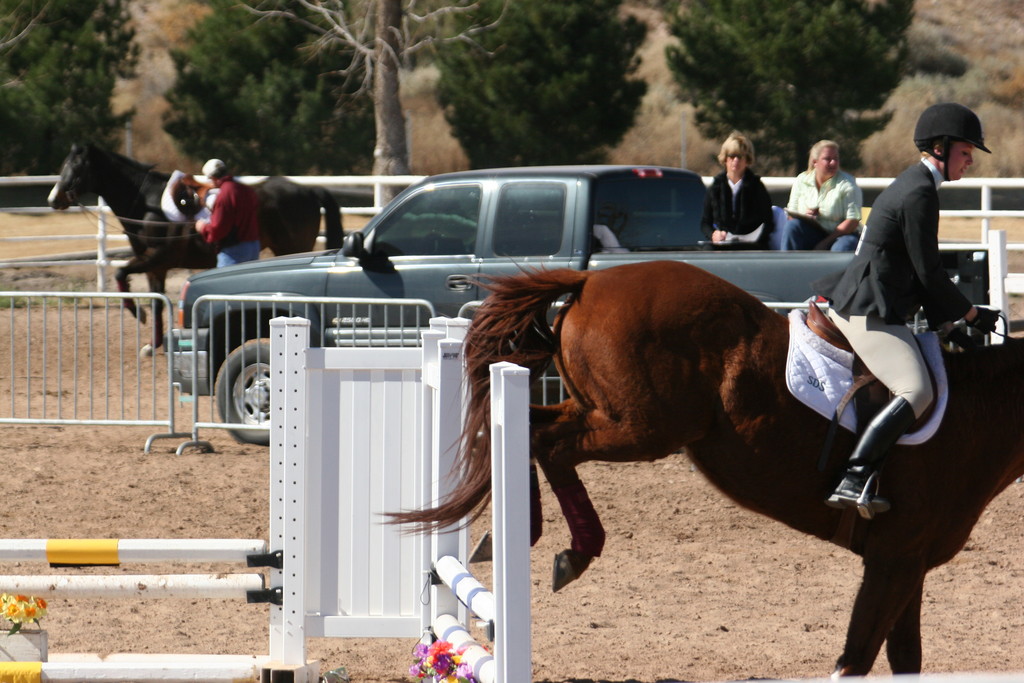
{"x": 215, "y": 168}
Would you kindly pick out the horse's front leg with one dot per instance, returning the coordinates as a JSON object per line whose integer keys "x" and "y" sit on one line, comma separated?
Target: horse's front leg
{"x": 884, "y": 607}
{"x": 552, "y": 428}
{"x": 562, "y": 437}
{"x": 157, "y": 284}
{"x": 121, "y": 278}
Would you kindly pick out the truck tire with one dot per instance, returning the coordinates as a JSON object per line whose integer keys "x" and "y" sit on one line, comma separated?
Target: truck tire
{"x": 243, "y": 390}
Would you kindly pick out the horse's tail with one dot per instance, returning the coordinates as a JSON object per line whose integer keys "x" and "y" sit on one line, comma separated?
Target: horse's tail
{"x": 332, "y": 218}
{"x": 511, "y": 325}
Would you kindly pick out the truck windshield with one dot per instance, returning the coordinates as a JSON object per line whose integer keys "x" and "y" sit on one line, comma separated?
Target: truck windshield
{"x": 651, "y": 214}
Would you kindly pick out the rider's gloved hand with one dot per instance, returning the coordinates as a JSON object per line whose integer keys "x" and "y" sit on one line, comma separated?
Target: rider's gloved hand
{"x": 985, "y": 320}
{"x": 961, "y": 339}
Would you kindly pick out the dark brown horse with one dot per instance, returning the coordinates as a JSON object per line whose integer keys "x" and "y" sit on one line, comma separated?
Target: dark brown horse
{"x": 662, "y": 356}
{"x": 289, "y": 217}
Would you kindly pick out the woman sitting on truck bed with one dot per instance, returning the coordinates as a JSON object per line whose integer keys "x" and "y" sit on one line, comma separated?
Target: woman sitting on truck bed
{"x": 737, "y": 207}
{"x": 825, "y": 204}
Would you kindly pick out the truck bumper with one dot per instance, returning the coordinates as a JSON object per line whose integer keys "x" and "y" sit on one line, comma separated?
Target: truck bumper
{"x": 189, "y": 366}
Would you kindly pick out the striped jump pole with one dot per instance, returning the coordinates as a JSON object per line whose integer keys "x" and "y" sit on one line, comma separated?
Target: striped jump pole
{"x": 112, "y": 551}
{"x": 447, "y": 627}
{"x": 467, "y": 589}
{"x": 506, "y": 610}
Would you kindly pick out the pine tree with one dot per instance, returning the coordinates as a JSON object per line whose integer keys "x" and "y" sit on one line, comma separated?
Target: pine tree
{"x": 250, "y": 91}
{"x": 791, "y": 72}
{"x": 59, "y": 78}
{"x": 552, "y": 83}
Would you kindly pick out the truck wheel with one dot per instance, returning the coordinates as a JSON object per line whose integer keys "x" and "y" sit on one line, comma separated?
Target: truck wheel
{"x": 243, "y": 390}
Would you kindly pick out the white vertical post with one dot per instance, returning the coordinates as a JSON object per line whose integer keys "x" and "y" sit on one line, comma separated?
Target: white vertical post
{"x": 510, "y": 506}
{"x": 997, "y": 272}
{"x": 289, "y": 341}
{"x": 443, "y": 403}
{"x": 682, "y": 139}
{"x": 102, "y": 257}
{"x": 986, "y": 206}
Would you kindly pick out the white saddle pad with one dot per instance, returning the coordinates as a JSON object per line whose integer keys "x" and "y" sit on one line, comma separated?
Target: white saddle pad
{"x": 819, "y": 375}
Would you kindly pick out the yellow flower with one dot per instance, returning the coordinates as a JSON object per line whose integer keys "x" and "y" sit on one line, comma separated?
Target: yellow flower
{"x": 21, "y": 608}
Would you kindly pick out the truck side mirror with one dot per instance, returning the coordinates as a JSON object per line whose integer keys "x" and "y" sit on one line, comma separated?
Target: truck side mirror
{"x": 352, "y": 246}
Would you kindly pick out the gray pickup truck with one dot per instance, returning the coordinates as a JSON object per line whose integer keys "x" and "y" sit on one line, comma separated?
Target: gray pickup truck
{"x": 435, "y": 239}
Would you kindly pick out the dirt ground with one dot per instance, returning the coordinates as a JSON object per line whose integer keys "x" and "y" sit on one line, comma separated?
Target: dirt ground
{"x": 690, "y": 587}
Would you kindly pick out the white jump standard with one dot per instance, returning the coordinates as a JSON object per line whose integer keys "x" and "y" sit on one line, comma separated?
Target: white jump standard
{"x": 334, "y": 567}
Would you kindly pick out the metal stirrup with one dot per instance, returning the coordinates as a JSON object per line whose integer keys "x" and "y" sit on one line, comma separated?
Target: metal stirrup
{"x": 867, "y": 504}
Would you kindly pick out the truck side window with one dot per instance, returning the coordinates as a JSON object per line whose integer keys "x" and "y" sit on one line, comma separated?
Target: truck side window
{"x": 530, "y": 220}
{"x": 650, "y": 214}
{"x": 438, "y": 222}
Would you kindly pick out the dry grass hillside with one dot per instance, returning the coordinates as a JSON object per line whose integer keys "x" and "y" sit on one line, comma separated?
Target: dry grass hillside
{"x": 988, "y": 35}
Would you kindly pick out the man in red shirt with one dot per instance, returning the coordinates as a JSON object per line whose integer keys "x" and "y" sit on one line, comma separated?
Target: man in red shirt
{"x": 233, "y": 228}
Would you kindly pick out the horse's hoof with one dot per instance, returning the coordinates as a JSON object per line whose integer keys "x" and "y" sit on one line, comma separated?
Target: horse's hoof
{"x": 146, "y": 351}
{"x": 569, "y": 565}
{"x": 483, "y": 552}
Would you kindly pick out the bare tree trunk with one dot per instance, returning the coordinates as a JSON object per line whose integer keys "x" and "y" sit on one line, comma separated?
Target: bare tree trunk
{"x": 390, "y": 156}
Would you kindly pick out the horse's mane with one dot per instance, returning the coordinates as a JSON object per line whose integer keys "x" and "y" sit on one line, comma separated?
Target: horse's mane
{"x": 988, "y": 363}
{"x": 120, "y": 159}
{"x": 989, "y": 382}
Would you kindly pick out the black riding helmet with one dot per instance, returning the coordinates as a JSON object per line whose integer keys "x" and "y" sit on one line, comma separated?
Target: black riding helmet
{"x": 948, "y": 121}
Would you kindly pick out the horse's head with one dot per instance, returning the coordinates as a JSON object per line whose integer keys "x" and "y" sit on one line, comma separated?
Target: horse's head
{"x": 75, "y": 178}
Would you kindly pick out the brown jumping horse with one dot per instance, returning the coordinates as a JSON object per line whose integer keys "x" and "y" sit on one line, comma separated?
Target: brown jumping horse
{"x": 660, "y": 357}
{"x": 289, "y": 217}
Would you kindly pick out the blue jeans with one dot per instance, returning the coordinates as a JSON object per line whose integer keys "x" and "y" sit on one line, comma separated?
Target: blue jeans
{"x": 800, "y": 235}
{"x": 238, "y": 253}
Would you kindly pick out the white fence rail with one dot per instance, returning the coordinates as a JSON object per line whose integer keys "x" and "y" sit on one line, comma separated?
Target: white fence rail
{"x": 375, "y": 185}
{"x": 107, "y": 237}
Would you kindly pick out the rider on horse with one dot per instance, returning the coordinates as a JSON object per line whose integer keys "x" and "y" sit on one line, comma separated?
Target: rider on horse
{"x": 185, "y": 199}
{"x": 896, "y": 271}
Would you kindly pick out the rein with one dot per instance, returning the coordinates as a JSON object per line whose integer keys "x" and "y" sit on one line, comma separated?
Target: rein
{"x": 142, "y": 223}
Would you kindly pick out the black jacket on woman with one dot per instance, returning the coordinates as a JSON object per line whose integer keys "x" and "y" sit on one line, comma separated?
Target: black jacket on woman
{"x": 753, "y": 207}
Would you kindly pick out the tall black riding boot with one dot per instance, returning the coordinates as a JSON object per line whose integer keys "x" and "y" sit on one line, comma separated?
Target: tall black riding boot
{"x": 858, "y": 484}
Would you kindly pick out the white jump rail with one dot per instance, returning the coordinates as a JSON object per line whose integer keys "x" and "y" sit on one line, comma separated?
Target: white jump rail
{"x": 467, "y": 589}
{"x": 162, "y": 586}
{"x": 140, "y": 668}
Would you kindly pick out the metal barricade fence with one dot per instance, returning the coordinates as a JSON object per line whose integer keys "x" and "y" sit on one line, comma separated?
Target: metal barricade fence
{"x": 74, "y": 359}
{"x": 230, "y": 369}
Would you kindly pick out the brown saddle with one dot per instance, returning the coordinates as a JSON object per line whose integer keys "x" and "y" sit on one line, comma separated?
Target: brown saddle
{"x": 867, "y": 393}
